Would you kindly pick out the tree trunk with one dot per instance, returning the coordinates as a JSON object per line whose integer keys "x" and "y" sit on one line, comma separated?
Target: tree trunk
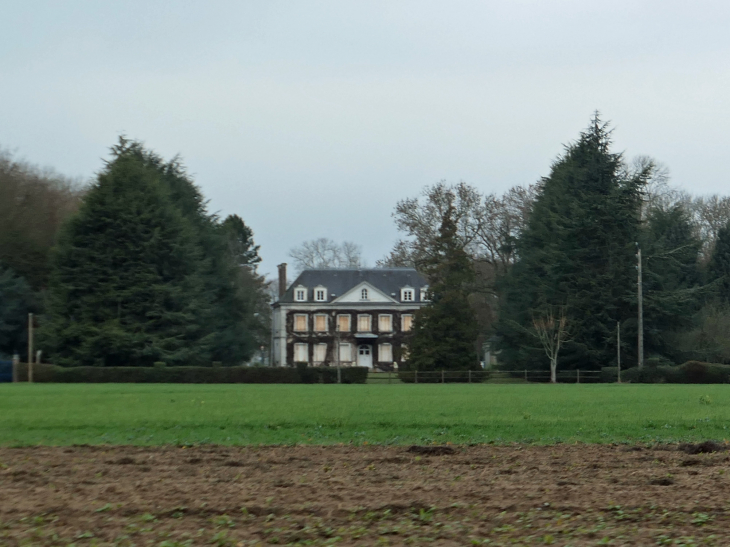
{"x": 553, "y": 371}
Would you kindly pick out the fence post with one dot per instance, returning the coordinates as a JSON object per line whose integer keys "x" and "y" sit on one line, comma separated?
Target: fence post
{"x": 525, "y": 375}
{"x": 16, "y": 362}
{"x": 388, "y": 376}
{"x": 442, "y": 377}
{"x": 470, "y": 376}
{"x": 577, "y": 376}
{"x": 416, "y": 376}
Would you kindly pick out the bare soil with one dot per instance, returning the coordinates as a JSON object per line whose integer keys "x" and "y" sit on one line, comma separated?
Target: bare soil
{"x": 495, "y": 495}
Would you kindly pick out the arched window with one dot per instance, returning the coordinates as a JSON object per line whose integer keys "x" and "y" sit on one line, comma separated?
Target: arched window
{"x": 364, "y": 294}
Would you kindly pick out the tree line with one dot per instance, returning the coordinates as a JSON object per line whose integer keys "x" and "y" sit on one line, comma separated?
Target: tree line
{"x": 562, "y": 255}
{"x": 133, "y": 269}
{"x": 130, "y": 269}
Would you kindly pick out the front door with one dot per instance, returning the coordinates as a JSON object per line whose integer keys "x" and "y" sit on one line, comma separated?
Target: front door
{"x": 364, "y": 356}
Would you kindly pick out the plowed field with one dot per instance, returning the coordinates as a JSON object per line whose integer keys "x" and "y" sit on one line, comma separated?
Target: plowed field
{"x": 307, "y": 495}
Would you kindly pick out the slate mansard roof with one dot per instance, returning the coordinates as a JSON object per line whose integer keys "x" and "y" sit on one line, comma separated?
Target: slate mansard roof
{"x": 339, "y": 281}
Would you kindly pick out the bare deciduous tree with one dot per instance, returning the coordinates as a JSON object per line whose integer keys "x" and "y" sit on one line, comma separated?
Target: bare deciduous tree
{"x": 487, "y": 226}
{"x": 710, "y": 214}
{"x": 502, "y": 219}
{"x": 34, "y": 202}
{"x": 420, "y": 218}
{"x": 551, "y": 328}
{"x": 324, "y": 253}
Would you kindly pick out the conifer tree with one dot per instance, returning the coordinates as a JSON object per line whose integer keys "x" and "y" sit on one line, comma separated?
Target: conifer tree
{"x": 445, "y": 331}
{"x": 240, "y": 241}
{"x": 577, "y": 251}
{"x": 16, "y": 302}
{"x": 124, "y": 285}
{"x": 143, "y": 273}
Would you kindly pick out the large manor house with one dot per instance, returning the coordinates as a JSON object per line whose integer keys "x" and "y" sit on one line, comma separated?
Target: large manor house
{"x": 346, "y": 317}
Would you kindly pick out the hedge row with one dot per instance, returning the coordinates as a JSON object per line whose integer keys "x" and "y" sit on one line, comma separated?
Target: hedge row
{"x": 192, "y": 375}
{"x": 691, "y": 372}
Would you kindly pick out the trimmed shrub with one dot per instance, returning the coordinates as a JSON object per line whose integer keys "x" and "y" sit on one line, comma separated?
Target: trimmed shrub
{"x": 696, "y": 372}
{"x": 192, "y": 375}
{"x": 691, "y": 372}
{"x": 348, "y": 375}
{"x": 610, "y": 374}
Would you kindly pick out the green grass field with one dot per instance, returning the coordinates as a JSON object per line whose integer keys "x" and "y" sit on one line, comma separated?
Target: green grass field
{"x": 149, "y": 414}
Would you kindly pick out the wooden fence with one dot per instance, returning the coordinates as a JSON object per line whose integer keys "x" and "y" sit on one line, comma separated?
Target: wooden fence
{"x": 483, "y": 376}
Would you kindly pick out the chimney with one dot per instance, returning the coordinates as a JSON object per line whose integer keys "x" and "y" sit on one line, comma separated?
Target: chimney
{"x": 282, "y": 279}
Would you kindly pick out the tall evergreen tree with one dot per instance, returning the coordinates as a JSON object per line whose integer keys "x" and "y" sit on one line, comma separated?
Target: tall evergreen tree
{"x": 16, "y": 302}
{"x": 124, "y": 289}
{"x": 240, "y": 241}
{"x": 577, "y": 251}
{"x": 143, "y": 274}
{"x": 445, "y": 331}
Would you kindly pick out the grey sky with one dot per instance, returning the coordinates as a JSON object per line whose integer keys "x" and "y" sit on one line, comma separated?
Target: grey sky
{"x": 312, "y": 118}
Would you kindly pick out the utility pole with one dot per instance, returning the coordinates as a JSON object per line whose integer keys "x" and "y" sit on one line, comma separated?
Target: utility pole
{"x": 641, "y": 309}
{"x": 30, "y": 348}
{"x": 618, "y": 348}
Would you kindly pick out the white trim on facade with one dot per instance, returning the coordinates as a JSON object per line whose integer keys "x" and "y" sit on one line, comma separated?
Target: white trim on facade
{"x": 354, "y": 295}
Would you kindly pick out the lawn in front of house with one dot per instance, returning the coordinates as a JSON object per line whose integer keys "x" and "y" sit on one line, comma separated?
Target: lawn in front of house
{"x": 251, "y": 414}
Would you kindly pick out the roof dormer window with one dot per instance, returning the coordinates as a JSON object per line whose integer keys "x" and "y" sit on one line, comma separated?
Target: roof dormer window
{"x": 407, "y": 295}
{"x": 300, "y": 294}
{"x": 424, "y": 294}
{"x": 364, "y": 294}
{"x": 320, "y": 294}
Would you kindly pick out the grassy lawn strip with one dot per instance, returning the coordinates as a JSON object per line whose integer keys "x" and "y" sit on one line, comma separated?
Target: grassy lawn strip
{"x": 153, "y": 414}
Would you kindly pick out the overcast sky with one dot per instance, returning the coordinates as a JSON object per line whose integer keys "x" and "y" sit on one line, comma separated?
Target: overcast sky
{"x": 312, "y": 118}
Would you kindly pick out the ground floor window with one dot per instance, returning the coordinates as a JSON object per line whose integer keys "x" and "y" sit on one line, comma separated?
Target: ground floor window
{"x": 385, "y": 353}
{"x": 345, "y": 353}
{"x": 301, "y": 353}
{"x": 320, "y": 353}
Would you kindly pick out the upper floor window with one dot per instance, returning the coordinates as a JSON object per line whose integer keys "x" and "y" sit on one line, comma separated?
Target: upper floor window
{"x": 364, "y": 294}
{"x": 343, "y": 323}
{"x": 320, "y": 323}
{"x": 385, "y": 323}
{"x": 363, "y": 323}
{"x": 300, "y": 323}
{"x": 406, "y": 295}
{"x": 320, "y": 294}
{"x": 424, "y": 294}
{"x": 407, "y": 322}
{"x": 300, "y": 294}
